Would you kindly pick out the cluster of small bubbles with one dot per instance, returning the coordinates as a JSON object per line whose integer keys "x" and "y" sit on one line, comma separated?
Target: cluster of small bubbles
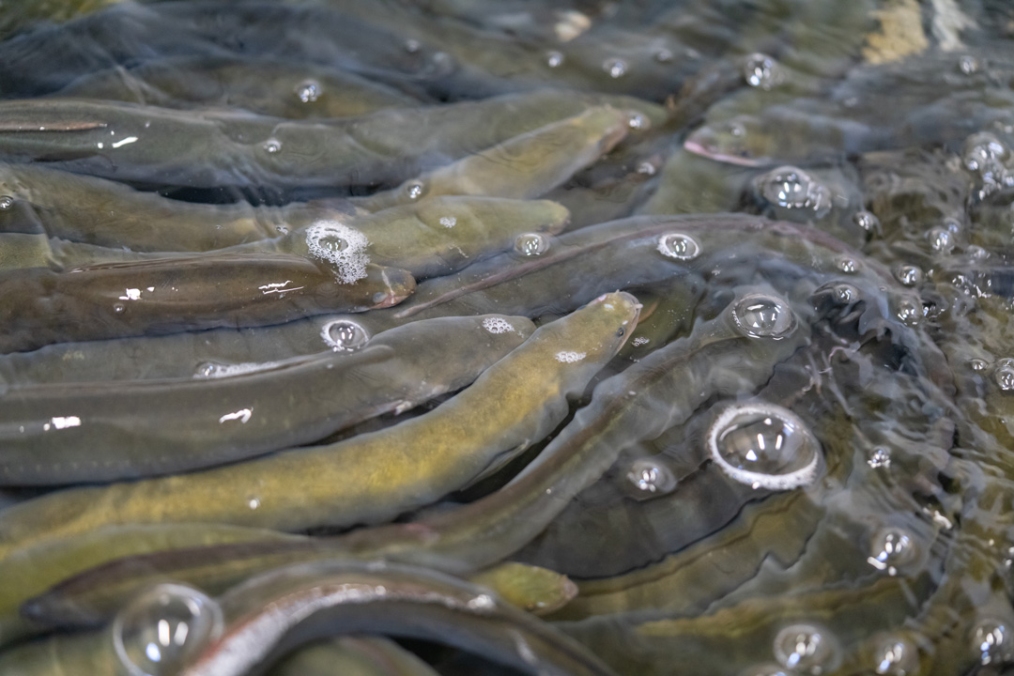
{"x": 309, "y": 91}
{"x": 985, "y": 155}
{"x": 554, "y": 59}
{"x": 866, "y": 220}
{"x": 891, "y": 547}
{"x": 272, "y": 146}
{"x": 651, "y": 476}
{"x": 792, "y": 188}
{"x": 762, "y": 71}
{"x": 531, "y": 244}
{"x": 497, "y": 325}
{"x": 764, "y": 446}
{"x": 976, "y": 253}
{"x": 615, "y": 67}
{"x": 341, "y": 246}
{"x": 895, "y": 656}
{"x": 414, "y": 189}
{"x": 570, "y": 357}
{"x": 761, "y": 316}
{"x": 158, "y": 632}
{"x": 448, "y": 221}
{"x": 637, "y": 121}
{"x": 282, "y": 229}
{"x": 879, "y": 457}
{"x": 847, "y": 265}
{"x": 909, "y": 275}
{"x": 804, "y": 648}
{"x": 412, "y": 46}
{"x": 679, "y": 246}
{"x": 6, "y": 202}
{"x": 344, "y": 335}
{"x": 663, "y": 55}
{"x": 646, "y": 168}
{"x": 991, "y": 642}
{"x": 941, "y": 239}
{"x": 909, "y": 312}
{"x": 640, "y": 340}
{"x": 1003, "y": 374}
{"x": 968, "y": 65}
{"x": 978, "y": 364}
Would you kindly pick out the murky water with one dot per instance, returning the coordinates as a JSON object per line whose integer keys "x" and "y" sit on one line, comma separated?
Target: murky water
{"x": 649, "y": 337}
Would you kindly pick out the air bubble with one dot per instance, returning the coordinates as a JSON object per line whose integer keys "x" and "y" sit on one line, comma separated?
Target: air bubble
{"x": 344, "y": 335}
{"x": 1003, "y": 374}
{"x": 866, "y": 220}
{"x": 414, "y": 190}
{"x": 879, "y": 457}
{"x": 341, "y": 246}
{"x": 119, "y": 308}
{"x": 679, "y": 246}
{"x": 978, "y": 364}
{"x": 844, "y": 294}
{"x": 986, "y": 156}
{"x": 616, "y": 68}
{"x": 892, "y": 547}
{"x": 309, "y": 91}
{"x": 941, "y": 240}
{"x": 272, "y": 146}
{"x": 762, "y": 71}
{"x": 792, "y": 188}
{"x": 991, "y": 642}
{"x": 968, "y": 65}
{"x": 554, "y": 59}
{"x": 895, "y": 656}
{"x": 531, "y": 244}
{"x": 760, "y": 316}
{"x": 765, "y": 670}
{"x": 637, "y": 121}
{"x": 650, "y": 476}
{"x": 646, "y": 169}
{"x": 909, "y": 312}
{"x": 764, "y": 446}
{"x": 804, "y": 648}
{"x": 663, "y": 55}
{"x": 909, "y": 275}
{"x": 6, "y": 202}
{"x": 412, "y": 46}
{"x": 158, "y": 632}
{"x": 847, "y": 265}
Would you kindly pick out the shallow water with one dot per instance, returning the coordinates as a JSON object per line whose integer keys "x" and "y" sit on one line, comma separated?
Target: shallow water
{"x": 309, "y": 318}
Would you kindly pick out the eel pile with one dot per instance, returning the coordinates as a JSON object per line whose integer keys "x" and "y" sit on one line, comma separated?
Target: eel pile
{"x": 573, "y": 337}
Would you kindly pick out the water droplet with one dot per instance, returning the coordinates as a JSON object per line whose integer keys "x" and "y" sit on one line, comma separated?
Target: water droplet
{"x": 895, "y": 656}
{"x": 941, "y": 240}
{"x": 344, "y": 335}
{"x": 160, "y": 630}
{"x": 531, "y": 244}
{"x": 414, "y": 189}
{"x": 792, "y": 188}
{"x": 663, "y": 55}
{"x": 554, "y": 59}
{"x": 1003, "y": 374}
{"x": 991, "y": 642}
{"x": 6, "y": 202}
{"x": 615, "y": 67}
{"x": 646, "y": 168}
{"x": 679, "y": 246}
{"x": 272, "y": 146}
{"x": 309, "y": 91}
{"x": 764, "y": 445}
{"x": 448, "y": 221}
{"x": 762, "y": 71}
{"x": 637, "y": 121}
{"x": 879, "y": 457}
{"x": 651, "y": 476}
{"x": 892, "y": 547}
{"x": 978, "y": 364}
{"x": 847, "y": 265}
{"x": 909, "y": 275}
{"x": 412, "y": 46}
{"x": 804, "y": 648}
{"x": 761, "y": 316}
{"x": 968, "y": 65}
{"x": 866, "y": 220}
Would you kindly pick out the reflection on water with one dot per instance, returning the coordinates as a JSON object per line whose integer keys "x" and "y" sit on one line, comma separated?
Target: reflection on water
{"x": 571, "y": 337}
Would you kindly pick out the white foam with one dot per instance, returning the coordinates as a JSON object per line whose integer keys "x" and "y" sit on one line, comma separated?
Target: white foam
{"x": 570, "y": 357}
{"x": 349, "y": 262}
{"x": 497, "y": 325}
